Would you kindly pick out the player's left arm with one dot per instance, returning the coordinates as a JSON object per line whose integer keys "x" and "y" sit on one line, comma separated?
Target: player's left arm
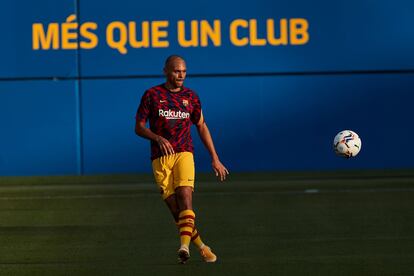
{"x": 207, "y": 140}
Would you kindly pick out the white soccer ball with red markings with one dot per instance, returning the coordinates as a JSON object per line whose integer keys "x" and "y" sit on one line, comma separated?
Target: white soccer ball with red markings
{"x": 347, "y": 144}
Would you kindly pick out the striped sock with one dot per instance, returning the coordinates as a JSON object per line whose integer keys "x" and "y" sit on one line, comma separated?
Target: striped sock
{"x": 196, "y": 239}
{"x": 186, "y": 225}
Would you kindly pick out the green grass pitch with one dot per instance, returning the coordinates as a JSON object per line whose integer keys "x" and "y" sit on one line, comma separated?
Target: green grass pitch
{"x": 332, "y": 223}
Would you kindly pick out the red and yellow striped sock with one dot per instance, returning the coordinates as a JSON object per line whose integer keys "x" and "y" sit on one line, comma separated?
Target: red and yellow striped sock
{"x": 186, "y": 225}
{"x": 196, "y": 239}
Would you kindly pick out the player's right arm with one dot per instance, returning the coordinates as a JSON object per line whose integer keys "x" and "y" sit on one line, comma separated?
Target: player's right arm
{"x": 143, "y": 114}
{"x": 142, "y": 131}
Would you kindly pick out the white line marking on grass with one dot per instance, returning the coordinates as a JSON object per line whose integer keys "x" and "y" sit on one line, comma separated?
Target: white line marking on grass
{"x": 75, "y": 196}
{"x": 311, "y": 191}
{"x": 148, "y": 193}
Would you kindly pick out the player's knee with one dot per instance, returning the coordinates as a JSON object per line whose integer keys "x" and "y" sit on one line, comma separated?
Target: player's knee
{"x": 184, "y": 192}
{"x": 184, "y": 198}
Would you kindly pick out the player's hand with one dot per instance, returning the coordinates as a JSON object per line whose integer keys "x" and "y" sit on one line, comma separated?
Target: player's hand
{"x": 219, "y": 169}
{"x": 165, "y": 146}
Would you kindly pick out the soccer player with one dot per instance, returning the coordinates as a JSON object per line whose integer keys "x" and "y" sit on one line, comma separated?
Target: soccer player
{"x": 171, "y": 109}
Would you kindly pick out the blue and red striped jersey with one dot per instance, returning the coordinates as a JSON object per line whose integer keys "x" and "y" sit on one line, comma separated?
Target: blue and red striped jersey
{"x": 170, "y": 115}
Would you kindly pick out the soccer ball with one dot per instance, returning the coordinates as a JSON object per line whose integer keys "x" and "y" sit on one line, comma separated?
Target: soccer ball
{"x": 347, "y": 144}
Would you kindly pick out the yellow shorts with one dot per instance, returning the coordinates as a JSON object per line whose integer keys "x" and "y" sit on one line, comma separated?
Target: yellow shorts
{"x": 172, "y": 171}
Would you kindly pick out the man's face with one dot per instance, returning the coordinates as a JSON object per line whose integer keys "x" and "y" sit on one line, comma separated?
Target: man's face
{"x": 175, "y": 73}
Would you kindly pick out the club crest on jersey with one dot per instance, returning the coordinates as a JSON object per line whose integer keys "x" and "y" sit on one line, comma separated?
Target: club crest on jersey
{"x": 185, "y": 102}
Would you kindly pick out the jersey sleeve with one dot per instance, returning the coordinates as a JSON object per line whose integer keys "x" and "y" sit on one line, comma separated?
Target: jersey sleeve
{"x": 144, "y": 108}
{"x": 196, "y": 114}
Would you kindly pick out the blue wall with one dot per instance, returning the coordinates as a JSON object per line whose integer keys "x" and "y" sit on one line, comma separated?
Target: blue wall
{"x": 71, "y": 111}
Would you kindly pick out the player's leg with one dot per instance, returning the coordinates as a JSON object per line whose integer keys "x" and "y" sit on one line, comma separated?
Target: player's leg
{"x": 173, "y": 207}
{"x": 184, "y": 197}
{"x": 186, "y": 220}
{"x": 164, "y": 178}
{"x": 165, "y": 170}
{"x": 171, "y": 202}
{"x": 184, "y": 174}
{"x": 162, "y": 168}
